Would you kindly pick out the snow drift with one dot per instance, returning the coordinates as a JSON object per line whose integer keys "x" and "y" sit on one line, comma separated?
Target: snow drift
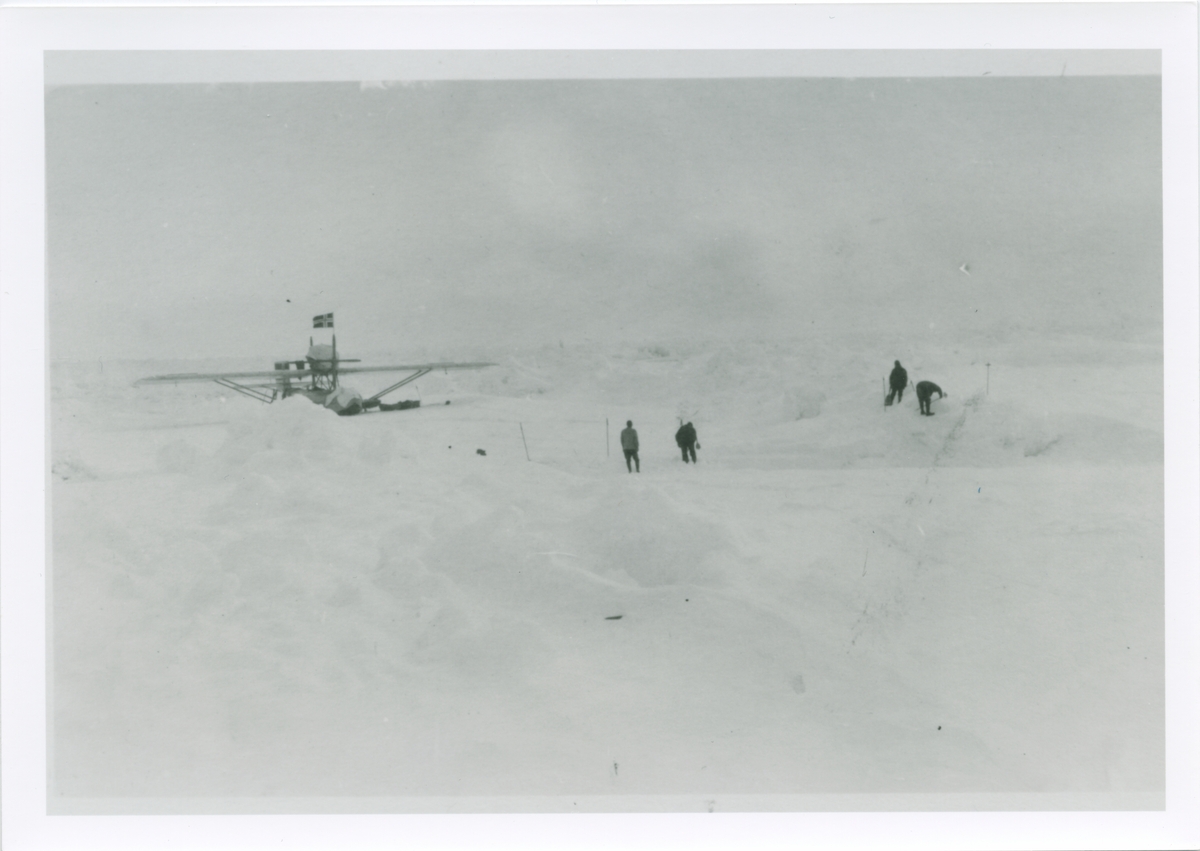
{"x": 272, "y": 600}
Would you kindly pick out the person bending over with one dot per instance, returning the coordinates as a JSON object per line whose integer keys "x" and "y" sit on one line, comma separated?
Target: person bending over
{"x": 925, "y": 391}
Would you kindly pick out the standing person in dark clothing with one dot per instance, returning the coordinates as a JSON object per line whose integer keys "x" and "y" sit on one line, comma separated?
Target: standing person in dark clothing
{"x": 925, "y": 391}
{"x": 898, "y": 380}
{"x": 629, "y": 443}
{"x": 686, "y": 439}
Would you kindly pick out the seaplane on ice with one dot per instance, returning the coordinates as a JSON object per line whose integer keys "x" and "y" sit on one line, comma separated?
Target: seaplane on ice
{"x": 317, "y": 377}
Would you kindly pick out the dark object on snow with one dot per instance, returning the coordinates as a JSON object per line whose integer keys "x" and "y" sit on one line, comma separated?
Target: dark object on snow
{"x": 925, "y": 391}
{"x": 480, "y": 452}
{"x": 614, "y": 617}
{"x": 686, "y": 439}
{"x": 401, "y": 406}
{"x": 898, "y": 380}
{"x": 629, "y": 444}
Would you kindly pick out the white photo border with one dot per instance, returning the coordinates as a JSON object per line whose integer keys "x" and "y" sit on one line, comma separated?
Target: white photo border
{"x": 26, "y": 34}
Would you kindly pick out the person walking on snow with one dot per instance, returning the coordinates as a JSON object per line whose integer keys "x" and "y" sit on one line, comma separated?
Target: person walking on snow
{"x": 686, "y": 439}
{"x": 925, "y": 391}
{"x": 629, "y": 443}
{"x": 898, "y": 380}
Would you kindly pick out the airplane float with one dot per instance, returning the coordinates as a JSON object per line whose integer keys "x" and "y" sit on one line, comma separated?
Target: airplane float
{"x": 316, "y": 377}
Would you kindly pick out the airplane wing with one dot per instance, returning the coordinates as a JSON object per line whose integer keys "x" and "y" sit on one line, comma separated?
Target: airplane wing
{"x": 427, "y": 367}
{"x": 267, "y": 375}
{"x": 265, "y": 385}
{"x": 271, "y": 375}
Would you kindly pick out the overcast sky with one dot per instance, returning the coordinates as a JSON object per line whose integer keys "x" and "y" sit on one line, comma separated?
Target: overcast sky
{"x": 189, "y": 220}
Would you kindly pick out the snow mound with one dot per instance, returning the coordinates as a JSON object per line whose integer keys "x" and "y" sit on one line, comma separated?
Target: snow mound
{"x": 178, "y": 456}
{"x": 71, "y": 469}
{"x": 641, "y": 535}
{"x": 290, "y": 433}
{"x": 802, "y": 403}
{"x": 834, "y": 579}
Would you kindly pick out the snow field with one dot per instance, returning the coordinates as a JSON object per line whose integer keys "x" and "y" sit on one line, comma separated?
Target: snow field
{"x": 256, "y": 599}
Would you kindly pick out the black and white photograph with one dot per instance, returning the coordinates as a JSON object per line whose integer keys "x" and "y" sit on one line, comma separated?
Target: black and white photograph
{"x": 436, "y": 431}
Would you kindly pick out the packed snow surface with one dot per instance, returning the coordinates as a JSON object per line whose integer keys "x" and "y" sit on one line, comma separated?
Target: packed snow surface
{"x": 273, "y": 600}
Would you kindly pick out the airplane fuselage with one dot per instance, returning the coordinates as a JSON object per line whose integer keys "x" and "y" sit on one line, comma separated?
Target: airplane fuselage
{"x": 321, "y": 363}
{"x": 321, "y": 358}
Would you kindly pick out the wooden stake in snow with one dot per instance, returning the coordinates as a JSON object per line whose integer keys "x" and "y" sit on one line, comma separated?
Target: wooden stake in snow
{"x": 526, "y": 445}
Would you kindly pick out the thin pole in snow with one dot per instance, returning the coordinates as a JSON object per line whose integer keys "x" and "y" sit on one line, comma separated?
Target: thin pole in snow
{"x": 522, "y": 425}
{"x": 989, "y": 380}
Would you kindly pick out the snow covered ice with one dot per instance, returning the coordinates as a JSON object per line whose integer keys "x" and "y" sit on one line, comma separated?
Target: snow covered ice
{"x": 272, "y": 600}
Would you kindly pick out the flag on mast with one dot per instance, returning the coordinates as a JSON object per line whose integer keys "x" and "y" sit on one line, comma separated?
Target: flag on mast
{"x": 325, "y": 320}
